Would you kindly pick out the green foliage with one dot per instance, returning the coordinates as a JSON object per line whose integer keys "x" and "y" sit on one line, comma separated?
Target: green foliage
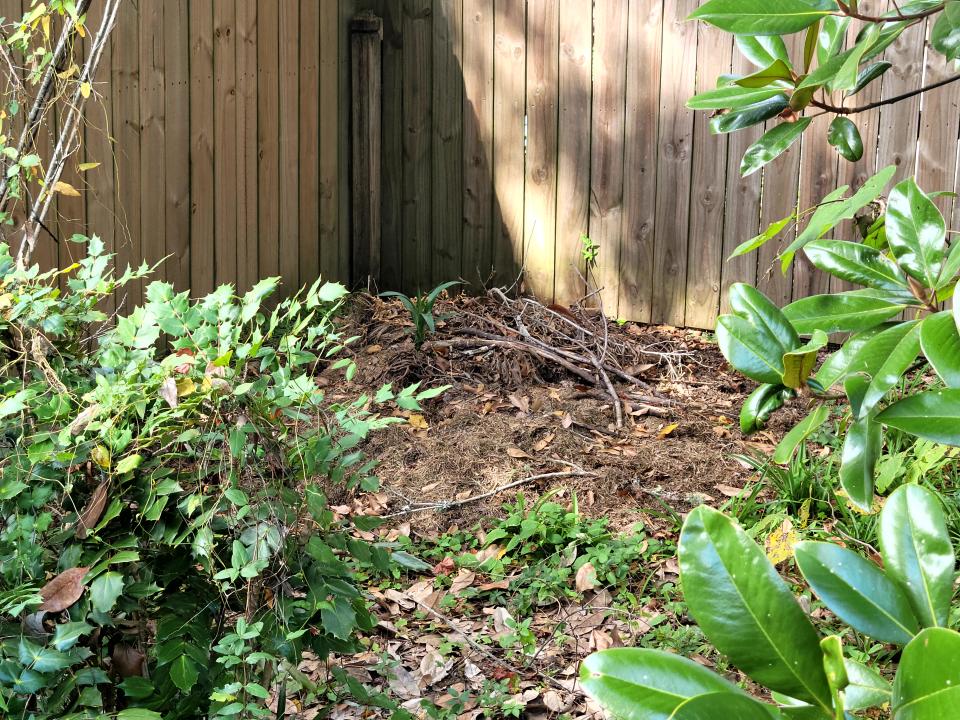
{"x": 821, "y": 78}
{"x": 749, "y": 613}
{"x": 171, "y": 470}
{"x": 420, "y": 308}
{"x": 904, "y": 264}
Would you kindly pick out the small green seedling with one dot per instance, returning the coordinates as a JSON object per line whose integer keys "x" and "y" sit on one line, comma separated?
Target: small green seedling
{"x": 421, "y": 310}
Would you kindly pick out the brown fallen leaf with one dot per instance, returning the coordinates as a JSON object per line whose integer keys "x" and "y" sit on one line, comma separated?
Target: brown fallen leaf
{"x": 128, "y": 661}
{"x": 542, "y": 443}
{"x": 498, "y": 585}
{"x": 93, "y": 510}
{"x": 445, "y": 566}
{"x": 63, "y": 590}
{"x": 586, "y": 578}
{"x": 517, "y": 453}
{"x": 729, "y": 490}
{"x": 462, "y": 581}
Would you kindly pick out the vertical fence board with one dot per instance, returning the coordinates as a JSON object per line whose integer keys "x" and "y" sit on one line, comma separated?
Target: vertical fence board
{"x": 246, "y": 49}
{"x": 708, "y": 184}
{"x": 201, "y": 148}
{"x": 447, "y": 138}
{"x": 540, "y": 198}
{"x": 152, "y": 135}
{"x": 573, "y": 143}
{"x": 937, "y": 149}
{"x": 329, "y": 119}
{"x": 606, "y": 173}
{"x": 477, "y": 140}
{"x": 392, "y": 120}
{"x": 289, "y": 226}
{"x": 818, "y": 177}
{"x": 640, "y": 158}
{"x": 674, "y": 164}
{"x": 309, "y": 151}
{"x": 899, "y": 122}
{"x": 176, "y": 99}
{"x": 268, "y": 142}
{"x": 509, "y": 78}
{"x": 417, "y": 107}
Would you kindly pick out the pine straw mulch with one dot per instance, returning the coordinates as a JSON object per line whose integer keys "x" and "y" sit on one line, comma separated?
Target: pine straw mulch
{"x": 627, "y": 418}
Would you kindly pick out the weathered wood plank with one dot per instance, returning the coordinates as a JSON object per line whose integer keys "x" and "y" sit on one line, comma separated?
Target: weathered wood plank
{"x": 899, "y": 122}
{"x": 201, "y": 149}
{"x": 447, "y": 138}
{"x": 607, "y": 133}
{"x": 704, "y": 258}
{"x": 573, "y": 141}
{"x": 309, "y": 139}
{"x": 247, "y": 203}
{"x": 176, "y": 49}
{"x": 674, "y": 164}
{"x": 289, "y": 226}
{"x": 540, "y": 195}
{"x": 268, "y": 143}
{"x": 417, "y": 109}
{"x": 153, "y": 178}
{"x": 478, "y": 41}
{"x": 509, "y": 107}
{"x": 818, "y": 176}
{"x": 640, "y": 158}
{"x": 329, "y": 140}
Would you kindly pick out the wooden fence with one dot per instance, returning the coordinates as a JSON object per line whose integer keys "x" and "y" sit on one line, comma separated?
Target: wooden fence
{"x": 509, "y": 129}
{"x": 219, "y": 129}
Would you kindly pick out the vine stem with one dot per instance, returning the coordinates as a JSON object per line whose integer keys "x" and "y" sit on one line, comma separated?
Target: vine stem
{"x": 840, "y": 110}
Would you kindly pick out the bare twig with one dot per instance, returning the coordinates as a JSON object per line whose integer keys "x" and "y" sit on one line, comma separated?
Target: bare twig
{"x": 444, "y": 505}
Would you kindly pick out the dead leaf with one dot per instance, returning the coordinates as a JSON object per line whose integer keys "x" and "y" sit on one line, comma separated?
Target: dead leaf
{"x": 462, "y": 581}
{"x": 498, "y": 585}
{"x": 445, "y": 566}
{"x": 418, "y": 421}
{"x": 372, "y": 349}
{"x": 520, "y": 403}
{"x": 779, "y": 543}
{"x": 65, "y": 189}
{"x": 128, "y": 661}
{"x": 63, "y": 590}
{"x": 500, "y": 617}
{"x": 667, "y": 430}
{"x": 586, "y": 578}
{"x": 168, "y": 391}
{"x": 729, "y": 490}
{"x": 93, "y": 510}
{"x": 543, "y": 442}
{"x": 517, "y": 453}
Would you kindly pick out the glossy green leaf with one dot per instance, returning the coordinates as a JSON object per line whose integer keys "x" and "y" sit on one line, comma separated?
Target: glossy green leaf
{"x": 846, "y": 76}
{"x": 857, "y": 592}
{"x": 917, "y": 552}
{"x": 833, "y": 209}
{"x": 731, "y": 96}
{"x": 763, "y": 17}
{"x": 945, "y": 36}
{"x": 931, "y": 415}
{"x": 840, "y": 312}
{"x": 771, "y": 144}
{"x": 778, "y": 70}
{"x": 927, "y": 684}
{"x": 762, "y": 50}
{"x": 948, "y": 273}
{"x": 861, "y": 448}
{"x": 833, "y": 31}
{"x": 755, "y": 242}
{"x": 891, "y": 369}
{"x": 798, "y": 364}
{"x": 810, "y": 45}
{"x": 105, "y": 590}
{"x": 755, "y": 338}
{"x": 915, "y": 232}
{"x": 941, "y": 346}
{"x": 746, "y": 609}
{"x": 759, "y": 405}
{"x": 800, "y": 432}
{"x": 844, "y": 136}
{"x": 184, "y": 673}
{"x": 833, "y": 664}
{"x": 642, "y": 684}
{"x": 725, "y": 705}
{"x": 856, "y": 263}
{"x": 835, "y": 367}
{"x": 870, "y": 73}
{"x": 743, "y": 117}
{"x": 866, "y": 688}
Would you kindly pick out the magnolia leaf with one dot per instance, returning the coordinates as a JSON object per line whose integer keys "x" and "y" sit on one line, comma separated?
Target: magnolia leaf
{"x": 800, "y": 432}
{"x": 927, "y": 684}
{"x": 63, "y": 590}
{"x": 772, "y": 144}
{"x": 763, "y": 17}
{"x": 915, "y": 232}
{"x": 844, "y": 136}
{"x": 748, "y": 115}
{"x": 798, "y": 364}
{"x": 861, "y": 448}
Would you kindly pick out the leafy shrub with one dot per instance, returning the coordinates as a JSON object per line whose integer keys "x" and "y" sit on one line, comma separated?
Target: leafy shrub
{"x": 749, "y": 613}
{"x": 904, "y": 265}
{"x": 171, "y": 470}
{"x": 822, "y": 80}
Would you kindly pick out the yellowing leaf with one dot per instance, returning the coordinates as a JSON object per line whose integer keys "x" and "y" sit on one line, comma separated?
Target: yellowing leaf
{"x": 85, "y": 90}
{"x": 780, "y": 542}
{"x": 45, "y": 23}
{"x": 69, "y": 72}
{"x": 416, "y": 420}
{"x": 667, "y": 430}
{"x": 101, "y": 456}
{"x": 65, "y": 189}
{"x": 81, "y": 30}
{"x": 186, "y": 386}
{"x": 83, "y": 167}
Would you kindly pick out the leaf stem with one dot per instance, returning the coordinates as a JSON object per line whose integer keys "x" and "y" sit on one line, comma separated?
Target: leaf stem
{"x": 852, "y": 11}
{"x": 840, "y": 110}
